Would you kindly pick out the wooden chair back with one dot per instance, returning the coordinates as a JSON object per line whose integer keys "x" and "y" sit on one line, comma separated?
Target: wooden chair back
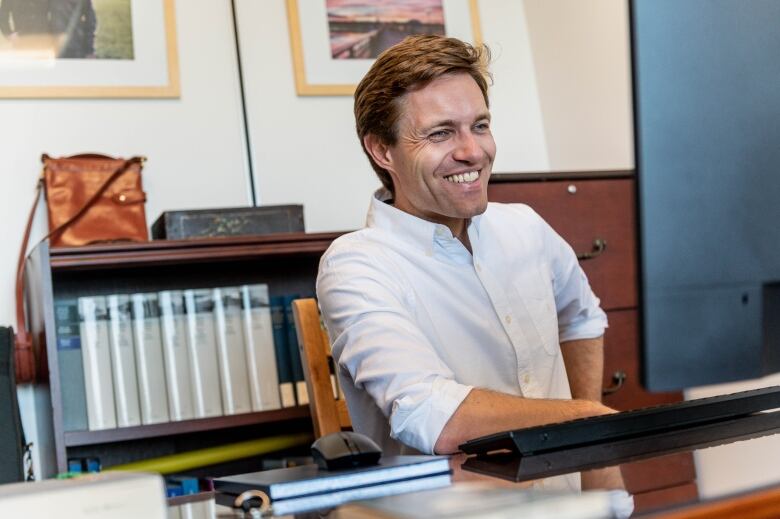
{"x": 328, "y": 413}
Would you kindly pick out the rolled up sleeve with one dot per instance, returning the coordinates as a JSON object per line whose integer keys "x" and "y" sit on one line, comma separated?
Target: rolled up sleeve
{"x": 368, "y": 312}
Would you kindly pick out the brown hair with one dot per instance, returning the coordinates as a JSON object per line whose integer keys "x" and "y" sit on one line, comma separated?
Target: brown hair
{"x": 405, "y": 67}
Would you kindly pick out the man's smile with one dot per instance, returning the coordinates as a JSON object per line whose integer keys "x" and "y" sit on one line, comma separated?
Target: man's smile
{"x": 459, "y": 178}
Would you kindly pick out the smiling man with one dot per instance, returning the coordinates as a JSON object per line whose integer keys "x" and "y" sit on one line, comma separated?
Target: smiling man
{"x": 450, "y": 317}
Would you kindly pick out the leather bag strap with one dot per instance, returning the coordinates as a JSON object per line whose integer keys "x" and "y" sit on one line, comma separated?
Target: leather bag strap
{"x": 23, "y": 352}
{"x": 23, "y": 348}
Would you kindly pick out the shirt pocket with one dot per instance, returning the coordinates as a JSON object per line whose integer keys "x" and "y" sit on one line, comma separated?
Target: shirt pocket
{"x": 534, "y": 288}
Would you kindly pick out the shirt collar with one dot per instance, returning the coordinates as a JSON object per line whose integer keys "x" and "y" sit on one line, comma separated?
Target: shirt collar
{"x": 420, "y": 233}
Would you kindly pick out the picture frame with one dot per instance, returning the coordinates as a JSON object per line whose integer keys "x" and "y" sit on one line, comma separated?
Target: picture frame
{"x": 318, "y": 73}
{"x": 146, "y": 65}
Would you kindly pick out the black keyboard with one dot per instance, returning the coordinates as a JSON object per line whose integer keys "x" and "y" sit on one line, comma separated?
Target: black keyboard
{"x": 626, "y": 424}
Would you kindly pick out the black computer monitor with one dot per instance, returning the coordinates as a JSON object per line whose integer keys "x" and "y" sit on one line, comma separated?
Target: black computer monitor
{"x": 707, "y": 132}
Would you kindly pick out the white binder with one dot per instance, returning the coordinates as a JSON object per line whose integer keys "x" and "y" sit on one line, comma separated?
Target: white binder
{"x": 259, "y": 344}
{"x": 96, "y": 355}
{"x": 202, "y": 345}
{"x": 231, "y": 351}
{"x": 120, "y": 327}
{"x": 173, "y": 322}
{"x": 149, "y": 359}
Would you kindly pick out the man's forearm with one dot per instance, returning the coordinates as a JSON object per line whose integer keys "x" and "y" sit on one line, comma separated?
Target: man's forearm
{"x": 584, "y": 360}
{"x": 485, "y": 412}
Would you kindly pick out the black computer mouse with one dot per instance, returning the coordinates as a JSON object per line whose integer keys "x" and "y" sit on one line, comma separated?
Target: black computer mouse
{"x": 344, "y": 450}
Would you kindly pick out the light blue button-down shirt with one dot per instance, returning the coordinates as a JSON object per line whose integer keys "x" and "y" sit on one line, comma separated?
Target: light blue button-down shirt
{"x": 416, "y": 321}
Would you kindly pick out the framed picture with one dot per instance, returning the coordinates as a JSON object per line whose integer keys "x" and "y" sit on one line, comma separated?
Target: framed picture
{"x": 88, "y": 48}
{"x": 335, "y": 41}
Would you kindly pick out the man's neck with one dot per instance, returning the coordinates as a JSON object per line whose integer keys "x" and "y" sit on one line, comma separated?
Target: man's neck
{"x": 460, "y": 230}
{"x": 464, "y": 239}
{"x": 459, "y": 227}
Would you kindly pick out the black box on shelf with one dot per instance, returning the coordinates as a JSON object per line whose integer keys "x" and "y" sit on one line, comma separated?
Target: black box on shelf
{"x": 235, "y": 221}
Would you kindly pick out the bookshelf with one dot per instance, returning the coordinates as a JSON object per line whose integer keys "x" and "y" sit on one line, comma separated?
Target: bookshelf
{"x": 287, "y": 263}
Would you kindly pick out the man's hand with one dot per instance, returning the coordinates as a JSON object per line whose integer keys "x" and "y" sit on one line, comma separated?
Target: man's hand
{"x": 485, "y": 412}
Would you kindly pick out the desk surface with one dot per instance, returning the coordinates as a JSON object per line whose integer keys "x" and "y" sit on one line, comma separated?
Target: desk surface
{"x": 606, "y": 469}
{"x": 746, "y": 453}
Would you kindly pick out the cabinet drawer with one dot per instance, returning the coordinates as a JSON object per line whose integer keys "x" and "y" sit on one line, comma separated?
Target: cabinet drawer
{"x": 661, "y": 472}
{"x": 582, "y": 211}
{"x": 653, "y": 500}
{"x": 621, "y": 355}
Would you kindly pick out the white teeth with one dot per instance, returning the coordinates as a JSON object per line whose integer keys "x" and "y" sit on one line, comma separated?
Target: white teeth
{"x": 459, "y": 178}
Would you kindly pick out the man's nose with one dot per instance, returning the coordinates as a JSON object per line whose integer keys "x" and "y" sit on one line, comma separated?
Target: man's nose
{"x": 467, "y": 148}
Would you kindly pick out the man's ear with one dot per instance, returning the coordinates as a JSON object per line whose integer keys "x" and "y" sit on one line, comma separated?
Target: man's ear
{"x": 379, "y": 151}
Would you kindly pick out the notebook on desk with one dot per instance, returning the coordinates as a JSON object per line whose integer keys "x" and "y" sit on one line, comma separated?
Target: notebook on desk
{"x": 307, "y": 487}
{"x": 636, "y": 423}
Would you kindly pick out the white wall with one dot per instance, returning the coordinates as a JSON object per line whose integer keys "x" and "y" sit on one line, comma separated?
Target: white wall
{"x": 583, "y": 77}
{"x": 195, "y": 146}
{"x": 305, "y": 149}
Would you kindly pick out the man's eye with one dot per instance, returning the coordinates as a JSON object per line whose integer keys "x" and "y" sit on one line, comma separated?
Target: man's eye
{"x": 438, "y": 135}
{"x": 482, "y": 127}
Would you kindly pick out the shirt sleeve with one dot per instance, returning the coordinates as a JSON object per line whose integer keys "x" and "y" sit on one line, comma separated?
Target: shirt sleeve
{"x": 369, "y": 316}
{"x": 579, "y": 313}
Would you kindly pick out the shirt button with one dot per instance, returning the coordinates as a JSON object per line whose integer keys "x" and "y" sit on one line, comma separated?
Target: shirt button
{"x": 507, "y": 319}
{"x": 526, "y": 379}
{"x": 476, "y": 266}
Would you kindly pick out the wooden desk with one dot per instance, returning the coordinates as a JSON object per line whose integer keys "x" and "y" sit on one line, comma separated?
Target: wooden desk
{"x": 757, "y": 504}
{"x": 607, "y": 470}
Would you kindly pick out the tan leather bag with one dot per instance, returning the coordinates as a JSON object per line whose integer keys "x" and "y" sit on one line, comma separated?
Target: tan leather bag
{"x": 90, "y": 199}
{"x": 94, "y": 198}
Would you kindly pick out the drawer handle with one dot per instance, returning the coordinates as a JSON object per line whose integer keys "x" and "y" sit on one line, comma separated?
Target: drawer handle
{"x": 618, "y": 378}
{"x": 599, "y": 246}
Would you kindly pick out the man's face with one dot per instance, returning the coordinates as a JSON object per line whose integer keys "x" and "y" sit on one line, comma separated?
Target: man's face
{"x": 443, "y": 158}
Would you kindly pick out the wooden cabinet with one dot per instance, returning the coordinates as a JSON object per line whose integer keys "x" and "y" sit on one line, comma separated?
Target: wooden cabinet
{"x": 596, "y": 216}
{"x": 286, "y": 262}
{"x": 590, "y": 215}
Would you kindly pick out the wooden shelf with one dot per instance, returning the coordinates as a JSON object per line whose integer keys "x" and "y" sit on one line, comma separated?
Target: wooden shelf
{"x": 122, "y": 255}
{"x": 79, "y": 438}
